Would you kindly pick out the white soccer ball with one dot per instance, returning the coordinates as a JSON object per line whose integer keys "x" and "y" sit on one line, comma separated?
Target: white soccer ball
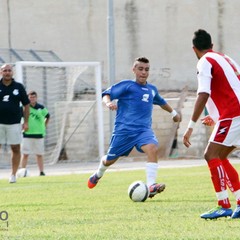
{"x": 23, "y": 172}
{"x": 138, "y": 191}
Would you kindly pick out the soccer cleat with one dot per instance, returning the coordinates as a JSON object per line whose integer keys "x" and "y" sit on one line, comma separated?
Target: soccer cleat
{"x": 155, "y": 189}
{"x": 217, "y": 212}
{"x": 236, "y": 212}
{"x": 42, "y": 174}
{"x": 93, "y": 180}
{"x": 12, "y": 179}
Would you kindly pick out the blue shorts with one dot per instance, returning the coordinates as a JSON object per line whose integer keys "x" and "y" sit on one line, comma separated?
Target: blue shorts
{"x": 122, "y": 145}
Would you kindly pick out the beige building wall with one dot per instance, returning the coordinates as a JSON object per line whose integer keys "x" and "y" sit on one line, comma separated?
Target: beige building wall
{"x": 162, "y": 125}
{"x": 76, "y": 30}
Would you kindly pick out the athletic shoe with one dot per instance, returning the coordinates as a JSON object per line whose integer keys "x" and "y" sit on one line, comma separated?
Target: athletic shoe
{"x": 93, "y": 180}
{"x": 236, "y": 212}
{"x": 155, "y": 189}
{"x": 42, "y": 174}
{"x": 12, "y": 179}
{"x": 217, "y": 212}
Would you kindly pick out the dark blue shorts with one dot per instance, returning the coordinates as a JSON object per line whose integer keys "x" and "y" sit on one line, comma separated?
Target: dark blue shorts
{"x": 122, "y": 145}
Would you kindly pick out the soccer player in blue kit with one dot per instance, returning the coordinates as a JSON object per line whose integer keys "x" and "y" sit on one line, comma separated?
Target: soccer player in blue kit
{"x": 133, "y": 123}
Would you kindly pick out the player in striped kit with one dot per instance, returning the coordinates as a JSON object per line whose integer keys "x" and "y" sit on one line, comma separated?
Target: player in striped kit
{"x": 218, "y": 90}
{"x": 133, "y": 123}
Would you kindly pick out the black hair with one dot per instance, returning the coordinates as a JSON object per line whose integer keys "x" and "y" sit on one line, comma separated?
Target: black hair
{"x": 142, "y": 59}
{"x": 32, "y": 93}
{"x": 202, "y": 40}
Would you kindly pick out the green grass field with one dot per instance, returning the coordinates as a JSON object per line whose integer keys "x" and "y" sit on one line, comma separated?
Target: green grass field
{"x": 62, "y": 207}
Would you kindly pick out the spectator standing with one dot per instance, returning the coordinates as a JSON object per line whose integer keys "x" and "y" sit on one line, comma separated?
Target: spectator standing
{"x": 12, "y": 94}
{"x": 33, "y": 137}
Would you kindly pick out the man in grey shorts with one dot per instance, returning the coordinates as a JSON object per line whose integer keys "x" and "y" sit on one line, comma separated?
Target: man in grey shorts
{"x": 12, "y": 93}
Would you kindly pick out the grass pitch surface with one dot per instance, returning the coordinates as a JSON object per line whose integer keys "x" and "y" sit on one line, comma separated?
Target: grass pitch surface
{"x": 62, "y": 207}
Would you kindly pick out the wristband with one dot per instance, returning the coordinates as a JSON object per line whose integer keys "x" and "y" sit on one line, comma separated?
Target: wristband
{"x": 173, "y": 113}
{"x": 191, "y": 124}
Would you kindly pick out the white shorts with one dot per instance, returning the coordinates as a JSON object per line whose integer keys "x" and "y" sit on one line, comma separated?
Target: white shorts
{"x": 227, "y": 132}
{"x": 33, "y": 146}
{"x": 11, "y": 134}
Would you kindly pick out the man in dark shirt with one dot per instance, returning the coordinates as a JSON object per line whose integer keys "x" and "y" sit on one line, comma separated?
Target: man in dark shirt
{"x": 12, "y": 93}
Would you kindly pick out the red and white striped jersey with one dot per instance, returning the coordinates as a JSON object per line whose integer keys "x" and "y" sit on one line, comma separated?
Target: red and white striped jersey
{"x": 219, "y": 75}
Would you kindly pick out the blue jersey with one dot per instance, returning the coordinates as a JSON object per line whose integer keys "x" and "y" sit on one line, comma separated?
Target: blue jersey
{"x": 135, "y": 105}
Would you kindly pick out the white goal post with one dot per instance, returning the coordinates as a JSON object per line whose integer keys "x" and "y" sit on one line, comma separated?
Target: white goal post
{"x": 57, "y": 85}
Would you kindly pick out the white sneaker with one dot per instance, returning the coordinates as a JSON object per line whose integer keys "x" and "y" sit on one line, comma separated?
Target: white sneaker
{"x": 12, "y": 179}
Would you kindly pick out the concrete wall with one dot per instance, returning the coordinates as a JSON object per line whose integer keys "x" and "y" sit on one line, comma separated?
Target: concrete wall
{"x": 83, "y": 143}
{"x": 76, "y": 30}
{"x": 81, "y": 140}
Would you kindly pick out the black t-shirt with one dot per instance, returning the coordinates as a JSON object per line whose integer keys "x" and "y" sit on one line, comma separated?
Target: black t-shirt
{"x": 10, "y": 98}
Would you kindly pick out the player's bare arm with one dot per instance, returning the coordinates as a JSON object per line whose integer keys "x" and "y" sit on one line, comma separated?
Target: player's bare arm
{"x": 111, "y": 105}
{"x": 198, "y": 109}
{"x": 26, "y": 116}
{"x": 175, "y": 115}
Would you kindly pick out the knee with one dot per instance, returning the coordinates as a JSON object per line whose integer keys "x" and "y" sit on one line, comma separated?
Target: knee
{"x": 208, "y": 156}
{"x": 153, "y": 149}
{"x": 108, "y": 163}
{"x": 205, "y": 157}
{"x": 15, "y": 148}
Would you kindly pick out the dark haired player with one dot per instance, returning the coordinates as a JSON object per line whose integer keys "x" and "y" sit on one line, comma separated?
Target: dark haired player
{"x": 218, "y": 89}
{"x": 12, "y": 93}
{"x": 133, "y": 123}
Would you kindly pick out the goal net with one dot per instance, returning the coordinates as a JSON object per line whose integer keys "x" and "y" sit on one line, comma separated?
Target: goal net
{"x": 71, "y": 91}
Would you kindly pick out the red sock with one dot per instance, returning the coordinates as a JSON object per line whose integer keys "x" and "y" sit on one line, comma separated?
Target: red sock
{"x": 218, "y": 176}
{"x": 232, "y": 176}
